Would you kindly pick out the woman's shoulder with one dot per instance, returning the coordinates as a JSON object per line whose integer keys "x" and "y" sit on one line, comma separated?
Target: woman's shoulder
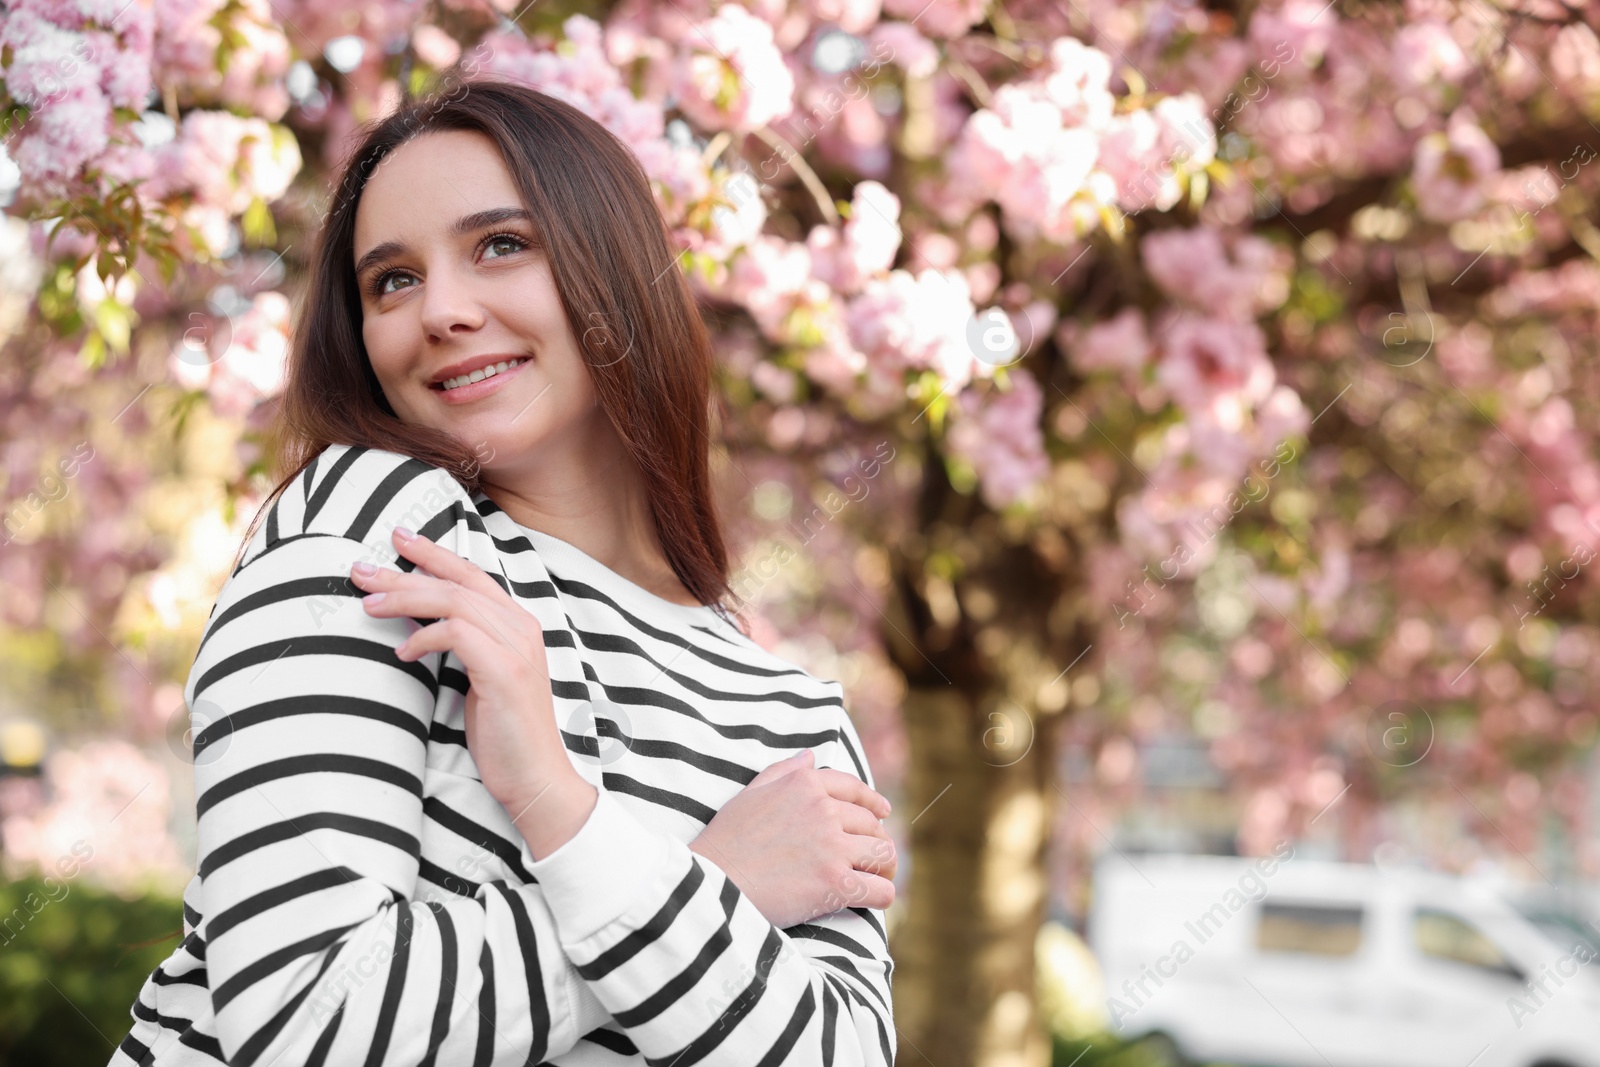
{"x": 362, "y": 494}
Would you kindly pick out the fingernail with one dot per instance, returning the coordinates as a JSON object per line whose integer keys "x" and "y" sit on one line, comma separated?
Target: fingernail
{"x": 373, "y": 598}
{"x": 404, "y": 533}
{"x": 366, "y": 569}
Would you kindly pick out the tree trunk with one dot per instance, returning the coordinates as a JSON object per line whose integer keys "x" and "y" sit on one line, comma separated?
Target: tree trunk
{"x": 981, "y": 621}
{"x": 964, "y": 972}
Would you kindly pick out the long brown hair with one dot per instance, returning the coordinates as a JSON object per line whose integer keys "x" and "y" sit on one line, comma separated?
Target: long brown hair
{"x": 633, "y": 313}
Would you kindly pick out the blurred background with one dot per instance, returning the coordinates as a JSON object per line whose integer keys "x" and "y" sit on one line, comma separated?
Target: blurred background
{"x": 1174, "y": 423}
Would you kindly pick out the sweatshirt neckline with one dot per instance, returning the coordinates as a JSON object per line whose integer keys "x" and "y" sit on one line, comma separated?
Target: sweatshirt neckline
{"x": 569, "y": 560}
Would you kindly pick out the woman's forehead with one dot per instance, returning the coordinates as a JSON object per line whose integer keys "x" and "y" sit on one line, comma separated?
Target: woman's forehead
{"x": 430, "y": 182}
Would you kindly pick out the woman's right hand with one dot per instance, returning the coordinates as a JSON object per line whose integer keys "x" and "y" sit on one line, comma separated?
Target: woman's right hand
{"x": 802, "y": 842}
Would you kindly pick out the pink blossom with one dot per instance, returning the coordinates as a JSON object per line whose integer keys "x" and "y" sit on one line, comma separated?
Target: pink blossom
{"x": 1452, "y": 168}
{"x": 918, "y": 321}
{"x": 1306, "y": 26}
{"x": 907, "y": 48}
{"x": 260, "y": 344}
{"x": 105, "y": 820}
{"x": 731, "y": 75}
{"x": 1078, "y": 83}
{"x": 65, "y": 135}
{"x": 256, "y": 67}
{"x": 1213, "y": 366}
{"x": 224, "y": 163}
{"x": 1425, "y": 52}
{"x": 767, "y": 277}
{"x": 1575, "y": 60}
{"x": 1119, "y": 343}
{"x": 1000, "y": 436}
{"x": 1239, "y": 276}
{"x": 775, "y": 382}
{"x": 1147, "y": 154}
{"x": 948, "y": 18}
{"x": 124, "y": 73}
{"x": 741, "y": 214}
{"x": 1130, "y": 153}
{"x": 858, "y": 139}
{"x": 187, "y": 45}
{"x": 851, "y": 16}
{"x": 434, "y": 46}
{"x": 1573, "y": 286}
{"x": 1020, "y": 154}
{"x": 835, "y": 364}
{"x": 868, "y": 243}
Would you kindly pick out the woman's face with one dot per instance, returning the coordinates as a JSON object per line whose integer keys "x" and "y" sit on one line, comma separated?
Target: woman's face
{"x": 452, "y": 284}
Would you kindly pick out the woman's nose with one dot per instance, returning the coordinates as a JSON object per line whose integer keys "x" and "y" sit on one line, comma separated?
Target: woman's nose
{"x": 449, "y": 306}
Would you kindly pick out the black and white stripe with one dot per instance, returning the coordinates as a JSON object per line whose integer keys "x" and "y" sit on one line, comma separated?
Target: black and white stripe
{"x": 361, "y": 899}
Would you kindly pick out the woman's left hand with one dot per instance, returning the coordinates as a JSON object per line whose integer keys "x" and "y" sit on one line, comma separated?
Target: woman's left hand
{"x": 510, "y": 718}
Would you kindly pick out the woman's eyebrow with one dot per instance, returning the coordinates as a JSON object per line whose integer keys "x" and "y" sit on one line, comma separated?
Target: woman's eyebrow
{"x": 464, "y": 225}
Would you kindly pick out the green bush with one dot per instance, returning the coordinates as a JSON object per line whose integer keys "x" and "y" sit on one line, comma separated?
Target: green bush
{"x": 1104, "y": 1050}
{"x": 71, "y": 968}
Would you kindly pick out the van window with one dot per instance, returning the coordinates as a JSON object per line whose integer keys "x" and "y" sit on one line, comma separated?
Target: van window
{"x": 1447, "y": 937}
{"x": 1319, "y": 929}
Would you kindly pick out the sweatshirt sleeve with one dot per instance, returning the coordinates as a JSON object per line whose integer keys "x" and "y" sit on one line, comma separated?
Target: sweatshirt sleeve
{"x": 311, "y": 740}
{"x": 695, "y": 973}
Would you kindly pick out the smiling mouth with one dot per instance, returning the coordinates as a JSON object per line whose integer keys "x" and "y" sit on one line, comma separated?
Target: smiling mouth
{"x": 479, "y": 375}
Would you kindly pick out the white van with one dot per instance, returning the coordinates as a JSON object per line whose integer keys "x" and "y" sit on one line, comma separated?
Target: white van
{"x": 1299, "y": 963}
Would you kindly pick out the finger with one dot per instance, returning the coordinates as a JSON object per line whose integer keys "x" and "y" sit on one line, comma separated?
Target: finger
{"x": 804, "y": 758}
{"x": 874, "y": 856}
{"x": 854, "y": 819}
{"x": 473, "y": 647}
{"x": 444, "y": 563}
{"x": 859, "y": 889}
{"x": 434, "y": 598}
{"x": 844, "y": 786}
{"x": 386, "y": 578}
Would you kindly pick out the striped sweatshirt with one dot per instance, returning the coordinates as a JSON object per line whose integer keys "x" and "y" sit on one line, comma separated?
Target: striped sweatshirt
{"x": 361, "y": 899}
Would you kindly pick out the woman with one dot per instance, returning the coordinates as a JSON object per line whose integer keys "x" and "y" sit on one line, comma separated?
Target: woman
{"x": 533, "y": 797}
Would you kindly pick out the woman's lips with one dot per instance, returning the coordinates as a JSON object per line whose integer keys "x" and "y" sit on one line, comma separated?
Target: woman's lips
{"x": 466, "y": 394}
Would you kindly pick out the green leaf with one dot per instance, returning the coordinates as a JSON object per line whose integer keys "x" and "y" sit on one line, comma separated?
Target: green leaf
{"x": 93, "y": 351}
{"x": 257, "y": 224}
{"x": 16, "y": 118}
{"x": 114, "y": 322}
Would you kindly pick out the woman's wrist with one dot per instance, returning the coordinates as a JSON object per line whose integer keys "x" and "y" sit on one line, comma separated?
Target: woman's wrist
{"x": 554, "y": 814}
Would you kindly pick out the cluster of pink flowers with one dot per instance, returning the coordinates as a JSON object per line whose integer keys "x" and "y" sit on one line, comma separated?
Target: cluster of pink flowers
{"x": 1000, "y": 436}
{"x": 835, "y": 297}
{"x": 106, "y": 806}
{"x": 189, "y": 36}
{"x": 584, "y": 74}
{"x": 1453, "y": 169}
{"x": 1210, "y": 359}
{"x": 732, "y": 76}
{"x": 81, "y": 67}
{"x": 1055, "y": 156}
{"x": 1214, "y": 362}
{"x": 918, "y": 321}
{"x": 71, "y": 63}
{"x": 238, "y": 360}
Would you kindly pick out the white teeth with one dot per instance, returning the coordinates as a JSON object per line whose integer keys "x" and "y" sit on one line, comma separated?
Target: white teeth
{"x": 479, "y": 375}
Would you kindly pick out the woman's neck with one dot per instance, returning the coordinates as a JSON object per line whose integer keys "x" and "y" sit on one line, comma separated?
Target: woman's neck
{"x": 600, "y": 506}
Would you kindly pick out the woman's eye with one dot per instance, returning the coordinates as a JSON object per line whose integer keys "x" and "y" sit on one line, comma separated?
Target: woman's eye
{"x": 496, "y": 247}
{"x": 501, "y": 246}
{"x": 402, "y": 279}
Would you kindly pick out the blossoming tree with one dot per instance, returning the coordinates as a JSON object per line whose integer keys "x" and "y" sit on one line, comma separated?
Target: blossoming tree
{"x": 1181, "y": 368}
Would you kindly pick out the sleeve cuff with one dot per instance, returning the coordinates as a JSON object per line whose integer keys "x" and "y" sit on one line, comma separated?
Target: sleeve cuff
{"x": 593, "y": 878}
